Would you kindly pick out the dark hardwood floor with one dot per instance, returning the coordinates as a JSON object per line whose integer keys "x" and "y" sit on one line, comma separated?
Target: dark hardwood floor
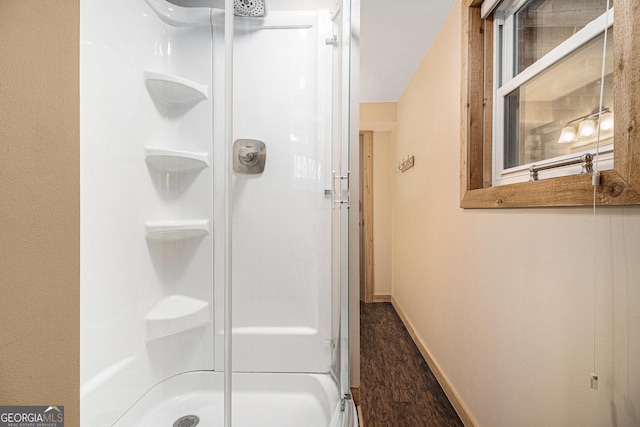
{"x": 397, "y": 388}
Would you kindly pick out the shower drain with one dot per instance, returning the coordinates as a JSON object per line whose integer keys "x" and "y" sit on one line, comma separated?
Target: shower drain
{"x": 187, "y": 421}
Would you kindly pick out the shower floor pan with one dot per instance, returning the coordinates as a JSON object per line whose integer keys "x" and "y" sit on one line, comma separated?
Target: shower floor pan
{"x": 282, "y": 400}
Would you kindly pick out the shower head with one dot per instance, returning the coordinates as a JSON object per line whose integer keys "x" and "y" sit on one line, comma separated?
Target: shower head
{"x": 250, "y": 8}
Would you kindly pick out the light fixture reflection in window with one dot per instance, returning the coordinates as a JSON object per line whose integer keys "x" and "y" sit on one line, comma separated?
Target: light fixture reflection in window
{"x": 586, "y": 128}
{"x": 606, "y": 122}
{"x": 568, "y": 134}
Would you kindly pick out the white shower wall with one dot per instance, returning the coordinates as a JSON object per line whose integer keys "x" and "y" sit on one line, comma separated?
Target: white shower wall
{"x": 130, "y": 276}
{"x": 152, "y": 193}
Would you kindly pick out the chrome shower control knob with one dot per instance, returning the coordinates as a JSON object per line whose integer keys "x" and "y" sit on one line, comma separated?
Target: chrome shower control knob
{"x": 249, "y": 156}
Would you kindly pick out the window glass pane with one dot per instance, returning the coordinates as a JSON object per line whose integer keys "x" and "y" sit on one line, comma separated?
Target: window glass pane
{"x": 511, "y": 132}
{"x": 555, "y": 113}
{"x": 541, "y": 25}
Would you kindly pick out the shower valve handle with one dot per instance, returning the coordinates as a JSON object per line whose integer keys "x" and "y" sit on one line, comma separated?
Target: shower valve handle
{"x": 248, "y": 156}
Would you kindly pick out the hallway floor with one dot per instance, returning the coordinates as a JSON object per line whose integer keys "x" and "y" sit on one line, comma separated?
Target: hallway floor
{"x": 397, "y": 388}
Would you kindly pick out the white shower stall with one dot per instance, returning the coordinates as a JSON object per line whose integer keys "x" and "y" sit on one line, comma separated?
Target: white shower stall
{"x": 214, "y": 213}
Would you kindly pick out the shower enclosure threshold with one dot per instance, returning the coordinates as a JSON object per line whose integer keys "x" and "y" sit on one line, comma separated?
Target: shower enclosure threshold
{"x": 264, "y": 399}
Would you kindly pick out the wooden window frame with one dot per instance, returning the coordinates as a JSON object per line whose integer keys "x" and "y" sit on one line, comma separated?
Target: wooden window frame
{"x": 618, "y": 186}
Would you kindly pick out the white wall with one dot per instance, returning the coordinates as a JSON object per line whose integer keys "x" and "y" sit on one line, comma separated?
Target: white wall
{"x": 503, "y": 299}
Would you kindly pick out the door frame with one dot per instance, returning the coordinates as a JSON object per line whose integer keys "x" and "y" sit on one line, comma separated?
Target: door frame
{"x": 366, "y": 217}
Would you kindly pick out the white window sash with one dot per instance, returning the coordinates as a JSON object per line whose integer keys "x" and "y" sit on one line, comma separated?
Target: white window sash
{"x": 520, "y": 173}
{"x": 487, "y": 7}
{"x": 586, "y": 34}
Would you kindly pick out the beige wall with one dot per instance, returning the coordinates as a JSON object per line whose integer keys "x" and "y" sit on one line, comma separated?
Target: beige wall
{"x": 39, "y": 197}
{"x": 378, "y": 116}
{"x": 381, "y": 118}
{"x": 503, "y": 299}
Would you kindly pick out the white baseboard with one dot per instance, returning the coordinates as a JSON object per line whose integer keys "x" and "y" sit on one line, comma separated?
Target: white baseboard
{"x": 455, "y": 400}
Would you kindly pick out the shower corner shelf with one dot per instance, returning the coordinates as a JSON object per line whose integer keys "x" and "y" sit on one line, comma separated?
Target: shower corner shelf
{"x": 172, "y": 90}
{"x": 176, "y": 230}
{"x": 168, "y": 160}
{"x": 177, "y": 16}
{"x": 176, "y": 314}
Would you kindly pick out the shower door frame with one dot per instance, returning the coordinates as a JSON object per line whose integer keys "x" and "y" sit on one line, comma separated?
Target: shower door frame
{"x": 342, "y": 198}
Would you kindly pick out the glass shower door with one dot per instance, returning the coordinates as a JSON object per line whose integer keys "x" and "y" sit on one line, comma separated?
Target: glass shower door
{"x": 289, "y": 217}
{"x": 341, "y": 148}
{"x": 280, "y": 210}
